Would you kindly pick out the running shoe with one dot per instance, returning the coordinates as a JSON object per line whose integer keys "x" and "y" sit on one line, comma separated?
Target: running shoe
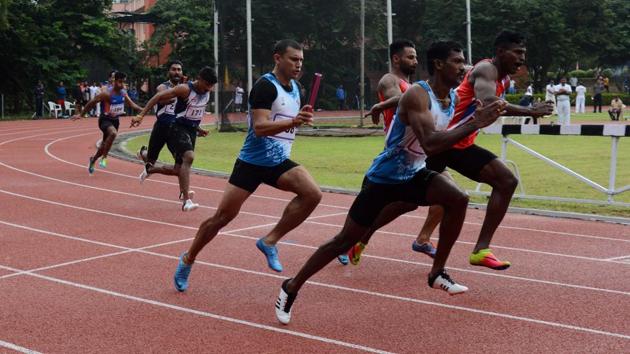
{"x": 343, "y": 259}
{"x": 355, "y": 253}
{"x": 271, "y": 253}
{"x": 284, "y": 304}
{"x": 103, "y": 163}
{"x": 485, "y": 258}
{"x": 191, "y": 194}
{"x": 442, "y": 281}
{"x": 144, "y": 175}
{"x": 181, "y": 274}
{"x": 141, "y": 153}
{"x": 189, "y": 205}
{"x": 91, "y": 166}
{"x": 426, "y": 248}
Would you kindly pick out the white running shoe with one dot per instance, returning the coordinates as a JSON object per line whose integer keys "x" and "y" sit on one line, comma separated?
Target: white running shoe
{"x": 284, "y": 304}
{"x": 191, "y": 195}
{"x": 444, "y": 282}
{"x": 144, "y": 175}
{"x": 189, "y": 205}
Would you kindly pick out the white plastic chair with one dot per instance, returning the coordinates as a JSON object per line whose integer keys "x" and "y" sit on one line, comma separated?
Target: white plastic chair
{"x": 69, "y": 106}
{"x": 54, "y": 109}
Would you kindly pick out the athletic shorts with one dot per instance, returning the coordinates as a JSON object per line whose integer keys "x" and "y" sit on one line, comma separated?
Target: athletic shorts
{"x": 159, "y": 138}
{"x": 374, "y": 197}
{"x": 181, "y": 138}
{"x": 248, "y": 176}
{"x": 469, "y": 161}
{"x": 104, "y": 123}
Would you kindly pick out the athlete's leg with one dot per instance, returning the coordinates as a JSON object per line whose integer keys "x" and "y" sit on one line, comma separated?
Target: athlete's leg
{"x": 184, "y": 172}
{"x": 106, "y": 144}
{"x": 308, "y": 195}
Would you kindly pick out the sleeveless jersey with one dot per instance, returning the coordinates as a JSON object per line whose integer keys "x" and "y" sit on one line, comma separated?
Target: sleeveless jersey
{"x": 466, "y": 108}
{"x": 388, "y": 114}
{"x": 403, "y": 155}
{"x": 271, "y": 151}
{"x": 191, "y": 110}
{"x": 166, "y": 112}
{"x": 115, "y": 107}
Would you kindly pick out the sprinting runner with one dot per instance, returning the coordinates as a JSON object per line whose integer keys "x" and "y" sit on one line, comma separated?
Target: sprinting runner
{"x": 112, "y": 103}
{"x": 398, "y": 174}
{"x": 274, "y": 114}
{"x": 160, "y": 132}
{"x": 190, "y": 108}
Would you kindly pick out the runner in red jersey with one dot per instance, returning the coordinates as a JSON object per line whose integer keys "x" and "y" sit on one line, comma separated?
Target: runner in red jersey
{"x": 487, "y": 81}
{"x": 402, "y": 55}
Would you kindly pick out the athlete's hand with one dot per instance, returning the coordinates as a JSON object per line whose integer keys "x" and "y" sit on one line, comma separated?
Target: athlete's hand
{"x": 304, "y": 117}
{"x": 487, "y": 114}
{"x": 202, "y": 132}
{"x": 375, "y": 112}
{"x": 135, "y": 121}
{"x": 541, "y": 109}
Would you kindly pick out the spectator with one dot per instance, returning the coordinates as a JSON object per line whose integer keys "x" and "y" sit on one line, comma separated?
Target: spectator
{"x": 550, "y": 95}
{"x": 341, "y": 96}
{"x": 77, "y": 96}
{"x": 573, "y": 81}
{"x": 607, "y": 83}
{"x": 61, "y": 95}
{"x": 238, "y": 97}
{"x": 563, "y": 101}
{"x": 512, "y": 89}
{"x": 597, "y": 94}
{"x": 616, "y": 108}
{"x": 94, "y": 91}
{"x": 580, "y": 98}
{"x": 133, "y": 95}
{"x": 39, "y": 99}
{"x": 530, "y": 90}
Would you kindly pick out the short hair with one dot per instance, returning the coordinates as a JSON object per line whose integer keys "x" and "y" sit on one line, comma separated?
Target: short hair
{"x": 112, "y": 73}
{"x": 507, "y": 38}
{"x": 118, "y": 75}
{"x": 281, "y": 46}
{"x": 440, "y": 51}
{"x": 398, "y": 46}
{"x": 174, "y": 62}
{"x": 208, "y": 75}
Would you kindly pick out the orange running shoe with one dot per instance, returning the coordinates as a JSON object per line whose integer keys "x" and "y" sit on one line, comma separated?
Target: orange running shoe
{"x": 355, "y": 253}
{"x": 485, "y": 258}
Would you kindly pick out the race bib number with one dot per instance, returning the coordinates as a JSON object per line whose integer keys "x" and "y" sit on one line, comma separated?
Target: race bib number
{"x": 117, "y": 109}
{"x": 195, "y": 112}
{"x": 287, "y": 135}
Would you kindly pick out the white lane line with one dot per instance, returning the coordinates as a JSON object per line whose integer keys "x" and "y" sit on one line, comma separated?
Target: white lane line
{"x": 618, "y": 258}
{"x": 200, "y": 313}
{"x": 17, "y": 348}
{"x": 560, "y": 233}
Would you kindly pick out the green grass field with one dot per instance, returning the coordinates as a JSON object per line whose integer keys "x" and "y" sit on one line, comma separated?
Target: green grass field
{"x": 341, "y": 162}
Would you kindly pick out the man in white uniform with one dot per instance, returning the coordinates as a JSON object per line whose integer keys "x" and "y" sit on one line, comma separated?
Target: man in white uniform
{"x": 563, "y": 101}
{"x": 580, "y": 99}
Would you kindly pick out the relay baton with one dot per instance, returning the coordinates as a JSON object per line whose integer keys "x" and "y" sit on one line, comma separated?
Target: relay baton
{"x": 315, "y": 89}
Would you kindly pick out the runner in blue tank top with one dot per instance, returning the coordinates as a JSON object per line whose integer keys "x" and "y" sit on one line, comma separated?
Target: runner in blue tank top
{"x": 192, "y": 99}
{"x": 398, "y": 175}
{"x": 112, "y": 103}
{"x": 274, "y": 115}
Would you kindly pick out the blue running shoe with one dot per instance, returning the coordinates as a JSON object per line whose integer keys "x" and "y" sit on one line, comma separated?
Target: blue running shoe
{"x": 91, "y": 166}
{"x": 181, "y": 274}
{"x": 271, "y": 252}
{"x": 426, "y": 248}
{"x": 343, "y": 259}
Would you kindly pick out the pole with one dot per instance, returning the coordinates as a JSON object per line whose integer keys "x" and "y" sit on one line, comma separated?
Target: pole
{"x": 390, "y": 31}
{"x": 613, "y": 168}
{"x": 249, "y": 45}
{"x": 468, "y": 33}
{"x": 216, "y": 61}
{"x": 362, "y": 81}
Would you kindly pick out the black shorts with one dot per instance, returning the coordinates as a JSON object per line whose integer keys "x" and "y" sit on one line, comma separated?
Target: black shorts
{"x": 374, "y": 197}
{"x": 181, "y": 138}
{"x": 249, "y": 177}
{"x": 469, "y": 161}
{"x": 104, "y": 123}
{"x": 159, "y": 138}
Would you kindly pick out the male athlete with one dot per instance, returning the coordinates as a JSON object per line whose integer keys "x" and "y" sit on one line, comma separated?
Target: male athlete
{"x": 192, "y": 99}
{"x": 274, "y": 115}
{"x": 112, "y": 103}
{"x": 398, "y": 174}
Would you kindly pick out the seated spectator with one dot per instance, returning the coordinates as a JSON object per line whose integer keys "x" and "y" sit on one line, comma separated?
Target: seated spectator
{"x": 616, "y": 108}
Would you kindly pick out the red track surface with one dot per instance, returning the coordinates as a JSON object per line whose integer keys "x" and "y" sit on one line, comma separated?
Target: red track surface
{"x": 86, "y": 265}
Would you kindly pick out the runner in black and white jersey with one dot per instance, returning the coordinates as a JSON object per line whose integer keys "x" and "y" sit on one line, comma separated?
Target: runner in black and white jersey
{"x": 190, "y": 108}
{"x": 274, "y": 116}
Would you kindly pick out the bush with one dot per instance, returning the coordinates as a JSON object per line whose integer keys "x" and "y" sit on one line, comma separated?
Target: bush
{"x": 607, "y": 73}
{"x": 606, "y": 98}
{"x": 580, "y": 74}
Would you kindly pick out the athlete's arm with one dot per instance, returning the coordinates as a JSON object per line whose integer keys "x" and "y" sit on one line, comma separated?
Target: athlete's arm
{"x": 160, "y": 88}
{"x": 177, "y": 91}
{"x": 264, "y": 126}
{"x": 202, "y": 132}
{"x": 88, "y": 107}
{"x": 389, "y": 87}
{"x": 132, "y": 104}
{"x": 414, "y": 110}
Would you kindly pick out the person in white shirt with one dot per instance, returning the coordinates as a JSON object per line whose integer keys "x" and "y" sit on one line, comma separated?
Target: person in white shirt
{"x": 238, "y": 97}
{"x": 549, "y": 93}
{"x": 530, "y": 90}
{"x": 94, "y": 91}
{"x": 563, "y": 101}
{"x": 580, "y": 99}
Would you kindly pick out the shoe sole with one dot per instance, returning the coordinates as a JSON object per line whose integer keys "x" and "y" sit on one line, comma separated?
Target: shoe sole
{"x": 503, "y": 267}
